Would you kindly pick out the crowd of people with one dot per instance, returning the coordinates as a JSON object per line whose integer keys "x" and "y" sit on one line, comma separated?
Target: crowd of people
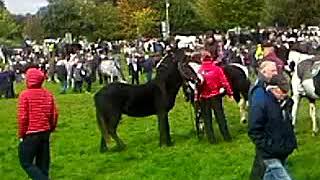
{"x": 270, "y": 127}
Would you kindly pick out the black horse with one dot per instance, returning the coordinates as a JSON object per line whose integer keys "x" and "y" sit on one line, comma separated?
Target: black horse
{"x": 156, "y": 97}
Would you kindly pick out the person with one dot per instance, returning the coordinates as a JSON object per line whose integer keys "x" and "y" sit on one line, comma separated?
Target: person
{"x": 270, "y": 55}
{"x": 37, "y": 119}
{"x": 62, "y": 74}
{"x": 270, "y": 126}
{"x": 79, "y": 74}
{"x": 210, "y": 96}
{"x": 147, "y": 64}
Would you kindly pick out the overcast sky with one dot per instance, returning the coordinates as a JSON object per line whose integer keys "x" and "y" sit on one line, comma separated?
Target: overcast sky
{"x": 24, "y": 6}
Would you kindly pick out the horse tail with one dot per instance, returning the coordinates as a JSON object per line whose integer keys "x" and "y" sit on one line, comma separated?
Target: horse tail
{"x": 101, "y": 116}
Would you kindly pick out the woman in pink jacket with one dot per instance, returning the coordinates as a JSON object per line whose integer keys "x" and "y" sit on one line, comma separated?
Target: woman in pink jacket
{"x": 210, "y": 93}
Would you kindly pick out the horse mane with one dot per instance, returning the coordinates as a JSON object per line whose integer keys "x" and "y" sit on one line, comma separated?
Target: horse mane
{"x": 169, "y": 64}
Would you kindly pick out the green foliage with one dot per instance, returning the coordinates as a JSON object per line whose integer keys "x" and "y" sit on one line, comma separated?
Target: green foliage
{"x": 137, "y": 18}
{"x": 2, "y": 5}
{"x": 183, "y": 18}
{"x": 33, "y": 28}
{"x": 104, "y": 20}
{"x": 62, "y": 17}
{"x": 224, "y": 14}
{"x": 292, "y": 12}
{"x": 146, "y": 22}
{"x": 8, "y": 27}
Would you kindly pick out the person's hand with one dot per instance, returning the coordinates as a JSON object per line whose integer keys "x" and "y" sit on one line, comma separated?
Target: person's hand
{"x": 222, "y": 91}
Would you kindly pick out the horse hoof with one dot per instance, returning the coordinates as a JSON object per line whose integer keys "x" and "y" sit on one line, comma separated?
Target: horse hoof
{"x": 103, "y": 150}
{"x": 119, "y": 148}
{"x": 244, "y": 121}
{"x": 168, "y": 144}
{"x": 314, "y": 133}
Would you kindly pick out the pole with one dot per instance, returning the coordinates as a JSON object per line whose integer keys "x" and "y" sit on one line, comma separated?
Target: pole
{"x": 167, "y": 18}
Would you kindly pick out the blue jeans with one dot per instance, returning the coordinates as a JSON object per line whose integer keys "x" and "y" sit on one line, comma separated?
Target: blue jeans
{"x": 64, "y": 85}
{"x": 275, "y": 170}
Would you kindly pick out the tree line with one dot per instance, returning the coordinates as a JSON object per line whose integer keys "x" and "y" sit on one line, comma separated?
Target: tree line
{"x": 129, "y": 19}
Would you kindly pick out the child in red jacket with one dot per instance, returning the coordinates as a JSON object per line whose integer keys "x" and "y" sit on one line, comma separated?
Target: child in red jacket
{"x": 37, "y": 118}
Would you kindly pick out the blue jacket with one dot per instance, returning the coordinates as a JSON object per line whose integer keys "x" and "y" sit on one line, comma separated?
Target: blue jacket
{"x": 270, "y": 126}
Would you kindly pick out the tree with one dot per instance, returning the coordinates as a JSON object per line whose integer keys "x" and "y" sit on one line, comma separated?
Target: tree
{"x": 104, "y": 20}
{"x": 225, "y": 14}
{"x": 292, "y": 12}
{"x": 2, "y": 5}
{"x": 130, "y": 11}
{"x": 8, "y": 27}
{"x": 146, "y": 22}
{"x": 33, "y": 28}
{"x": 114, "y": 2}
{"x": 182, "y": 15}
{"x": 64, "y": 16}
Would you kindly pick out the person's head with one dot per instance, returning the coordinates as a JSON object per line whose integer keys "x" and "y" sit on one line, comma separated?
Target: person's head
{"x": 279, "y": 87}
{"x": 268, "y": 69}
{"x": 205, "y": 55}
{"x": 267, "y": 48}
{"x": 34, "y": 78}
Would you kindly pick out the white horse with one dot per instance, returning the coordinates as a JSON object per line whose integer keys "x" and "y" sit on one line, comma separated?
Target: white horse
{"x": 303, "y": 87}
{"x": 111, "y": 69}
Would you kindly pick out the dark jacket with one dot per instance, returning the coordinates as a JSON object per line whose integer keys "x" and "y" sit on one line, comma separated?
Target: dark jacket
{"x": 270, "y": 126}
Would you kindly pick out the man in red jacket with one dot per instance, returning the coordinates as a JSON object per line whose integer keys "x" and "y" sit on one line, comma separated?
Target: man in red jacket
{"x": 37, "y": 118}
{"x": 211, "y": 91}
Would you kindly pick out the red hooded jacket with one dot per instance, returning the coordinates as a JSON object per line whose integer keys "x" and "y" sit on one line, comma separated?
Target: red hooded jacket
{"x": 214, "y": 80}
{"x": 36, "y": 107}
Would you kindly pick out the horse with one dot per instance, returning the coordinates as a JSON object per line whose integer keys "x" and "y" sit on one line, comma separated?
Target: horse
{"x": 305, "y": 82}
{"x": 110, "y": 70}
{"x": 156, "y": 97}
{"x": 238, "y": 77}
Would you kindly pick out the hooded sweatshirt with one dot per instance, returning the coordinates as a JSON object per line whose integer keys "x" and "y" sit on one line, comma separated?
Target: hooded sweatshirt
{"x": 36, "y": 107}
{"x": 214, "y": 80}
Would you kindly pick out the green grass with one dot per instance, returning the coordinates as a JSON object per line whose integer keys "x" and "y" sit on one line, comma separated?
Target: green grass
{"x": 75, "y": 146}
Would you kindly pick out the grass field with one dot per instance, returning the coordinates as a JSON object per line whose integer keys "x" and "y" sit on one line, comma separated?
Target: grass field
{"x": 75, "y": 146}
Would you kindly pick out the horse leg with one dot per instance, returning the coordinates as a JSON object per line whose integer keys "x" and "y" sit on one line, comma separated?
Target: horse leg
{"x": 296, "y": 100}
{"x": 199, "y": 121}
{"x": 102, "y": 124}
{"x": 106, "y": 79}
{"x": 312, "y": 112}
{"x": 241, "y": 104}
{"x": 295, "y": 83}
{"x": 164, "y": 128}
{"x": 112, "y": 129}
{"x": 243, "y": 113}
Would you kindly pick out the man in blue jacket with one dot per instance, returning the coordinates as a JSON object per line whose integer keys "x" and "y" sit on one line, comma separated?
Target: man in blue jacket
{"x": 270, "y": 126}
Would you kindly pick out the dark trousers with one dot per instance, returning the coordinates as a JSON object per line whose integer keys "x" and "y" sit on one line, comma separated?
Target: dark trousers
{"x": 258, "y": 167}
{"x": 34, "y": 155}
{"x": 63, "y": 84}
{"x": 78, "y": 86}
{"x": 149, "y": 76}
{"x": 100, "y": 77}
{"x": 88, "y": 80}
{"x": 214, "y": 103}
{"x": 135, "y": 77}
